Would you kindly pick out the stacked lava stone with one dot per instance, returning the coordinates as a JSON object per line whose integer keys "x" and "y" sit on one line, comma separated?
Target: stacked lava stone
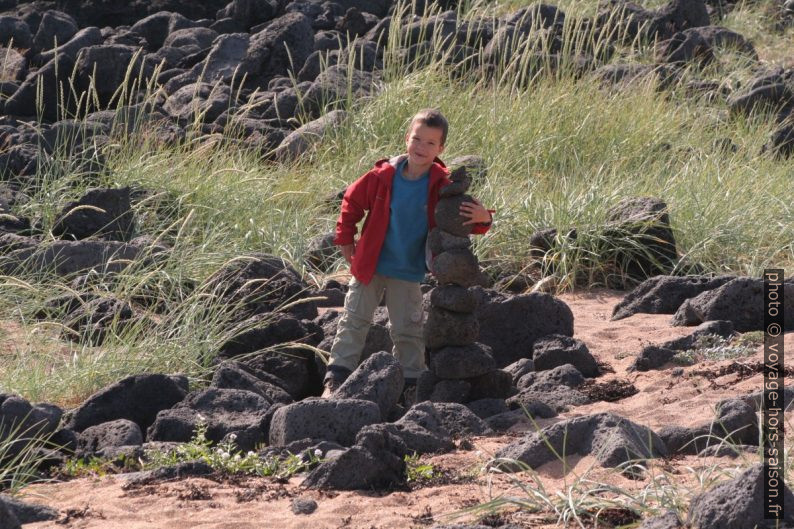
{"x": 459, "y": 369}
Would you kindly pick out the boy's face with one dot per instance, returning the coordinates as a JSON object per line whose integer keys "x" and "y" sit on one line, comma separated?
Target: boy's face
{"x": 423, "y": 144}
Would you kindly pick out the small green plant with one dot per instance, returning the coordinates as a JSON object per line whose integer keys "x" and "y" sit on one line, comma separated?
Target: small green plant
{"x": 714, "y": 347}
{"x": 416, "y": 470}
{"x": 80, "y": 467}
{"x": 226, "y": 457}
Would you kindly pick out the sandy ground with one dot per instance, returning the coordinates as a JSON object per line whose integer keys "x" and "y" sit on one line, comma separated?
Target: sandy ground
{"x": 663, "y": 399}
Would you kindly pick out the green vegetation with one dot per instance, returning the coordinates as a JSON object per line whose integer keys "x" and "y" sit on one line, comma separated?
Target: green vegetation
{"x": 227, "y": 458}
{"x": 714, "y": 347}
{"x": 416, "y": 470}
{"x": 223, "y": 457}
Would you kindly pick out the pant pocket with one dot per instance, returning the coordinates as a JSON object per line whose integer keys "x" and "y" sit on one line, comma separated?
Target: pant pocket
{"x": 414, "y": 315}
{"x": 353, "y": 296}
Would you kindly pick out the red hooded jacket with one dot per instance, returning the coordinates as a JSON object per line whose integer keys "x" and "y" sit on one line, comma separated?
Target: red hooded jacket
{"x": 372, "y": 192}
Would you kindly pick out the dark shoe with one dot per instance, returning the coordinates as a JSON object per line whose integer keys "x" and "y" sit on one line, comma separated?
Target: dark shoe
{"x": 408, "y": 396}
{"x": 334, "y": 378}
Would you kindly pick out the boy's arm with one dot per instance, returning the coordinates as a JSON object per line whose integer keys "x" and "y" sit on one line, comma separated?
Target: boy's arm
{"x": 479, "y": 217}
{"x": 354, "y": 204}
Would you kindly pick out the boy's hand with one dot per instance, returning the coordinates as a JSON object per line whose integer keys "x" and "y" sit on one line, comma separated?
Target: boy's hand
{"x": 475, "y": 212}
{"x": 347, "y": 252}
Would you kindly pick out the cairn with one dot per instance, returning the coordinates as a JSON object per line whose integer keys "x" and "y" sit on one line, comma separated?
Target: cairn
{"x": 459, "y": 368}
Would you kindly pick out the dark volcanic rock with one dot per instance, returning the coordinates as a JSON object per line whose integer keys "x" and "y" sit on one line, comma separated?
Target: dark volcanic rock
{"x": 14, "y": 31}
{"x": 378, "y": 379}
{"x": 611, "y": 439}
{"x": 106, "y": 67}
{"x": 457, "y": 266}
{"x": 720, "y": 328}
{"x": 121, "y": 432}
{"x": 376, "y": 461}
{"x": 448, "y": 217}
{"x": 282, "y": 46}
{"x": 564, "y": 375}
{"x": 453, "y": 298}
{"x": 428, "y": 427}
{"x": 496, "y": 384}
{"x": 738, "y": 503}
{"x": 510, "y": 325}
{"x": 69, "y": 257}
{"x": 266, "y": 330}
{"x": 137, "y": 398}
{"x": 449, "y": 390}
{"x": 204, "y": 99}
{"x": 104, "y": 213}
{"x": 259, "y": 283}
{"x": 739, "y": 301}
{"x": 92, "y": 321}
{"x": 55, "y": 28}
{"x": 555, "y": 350}
{"x": 333, "y": 85}
{"x": 303, "y": 506}
{"x": 248, "y": 13}
{"x": 764, "y": 98}
{"x": 55, "y": 82}
{"x": 549, "y": 394}
{"x": 782, "y": 141}
{"x": 295, "y": 368}
{"x": 226, "y": 59}
{"x": 236, "y": 375}
{"x": 484, "y": 408}
{"x": 225, "y": 411}
{"x": 337, "y": 420}
{"x": 8, "y": 519}
{"x": 322, "y": 253}
{"x": 646, "y": 221}
{"x": 455, "y": 419}
{"x": 156, "y": 27}
{"x": 519, "y": 368}
{"x": 684, "y": 48}
{"x": 652, "y": 357}
{"x": 24, "y": 512}
{"x": 736, "y": 423}
{"x": 664, "y": 294}
{"x": 20, "y": 420}
{"x": 440, "y": 241}
{"x": 461, "y": 362}
{"x": 446, "y": 328}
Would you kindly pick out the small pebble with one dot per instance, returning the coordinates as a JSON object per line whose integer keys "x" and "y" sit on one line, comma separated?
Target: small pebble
{"x": 303, "y": 506}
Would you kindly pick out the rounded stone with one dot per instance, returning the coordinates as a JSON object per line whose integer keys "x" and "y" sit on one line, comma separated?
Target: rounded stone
{"x": 454, "y": 298}
{"x": 444, "y": 327}
{"x": 448, "y": 216}
{"x": 458, "y": 362}
{"x": 440, "y": 241}
{"x": 458, "y": 266}
{"x": 449, "y": 390}
{"x": 453, "y": 189}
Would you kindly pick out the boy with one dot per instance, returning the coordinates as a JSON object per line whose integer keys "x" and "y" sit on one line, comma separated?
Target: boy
{"x": 400, "y": 195}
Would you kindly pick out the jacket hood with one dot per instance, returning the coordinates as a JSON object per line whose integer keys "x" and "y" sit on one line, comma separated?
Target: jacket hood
{"x": 386, "y": 165}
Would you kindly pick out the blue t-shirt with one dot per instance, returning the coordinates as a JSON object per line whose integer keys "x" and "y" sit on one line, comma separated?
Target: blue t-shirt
{"x": 403, "y": 252}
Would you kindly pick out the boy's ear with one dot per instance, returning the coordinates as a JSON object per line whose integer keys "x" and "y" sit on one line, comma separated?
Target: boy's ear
{"x": 440, "y": 149}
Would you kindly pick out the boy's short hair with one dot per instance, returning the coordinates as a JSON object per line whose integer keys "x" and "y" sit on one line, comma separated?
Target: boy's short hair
{"x": 430, "y": 117}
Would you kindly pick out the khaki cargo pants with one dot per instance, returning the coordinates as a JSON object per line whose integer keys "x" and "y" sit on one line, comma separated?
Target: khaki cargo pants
{"x": 404, "y": 303}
